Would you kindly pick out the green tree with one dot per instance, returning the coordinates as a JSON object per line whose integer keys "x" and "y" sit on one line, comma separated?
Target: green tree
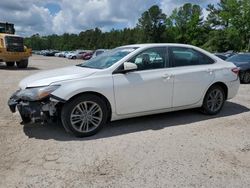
{"x": 188, "y": 21}
{"x": 152, "y": 24}
{"x": 231, "y": 17}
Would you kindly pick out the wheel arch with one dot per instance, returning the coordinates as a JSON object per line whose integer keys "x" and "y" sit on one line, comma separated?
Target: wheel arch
{"x": 223, "y": 86}
{"x": 107, "y": 102}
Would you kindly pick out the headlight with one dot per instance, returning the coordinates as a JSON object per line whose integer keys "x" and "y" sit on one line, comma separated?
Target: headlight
{"x": 38, "y": 93}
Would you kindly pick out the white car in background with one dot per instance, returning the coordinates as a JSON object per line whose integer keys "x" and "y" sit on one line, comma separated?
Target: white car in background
{"x": 76, "y": 55}
{"x": 98, "y": 52}
{"x": 58, "y": 54}
{"x": 70, "y": 54}
{"x": 61, "y": 54}
{"x": 128, "y": 81}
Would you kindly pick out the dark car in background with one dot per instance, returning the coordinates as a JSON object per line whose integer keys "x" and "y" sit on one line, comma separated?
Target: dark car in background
{"x": 242, "y": 60}
{"x": 50, "y": 53}
{"x": 222, "y": 56}
{"x": 87, "y": 55}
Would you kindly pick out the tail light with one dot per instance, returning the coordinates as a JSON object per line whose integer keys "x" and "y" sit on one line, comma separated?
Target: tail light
{"x": 236, "y": 70}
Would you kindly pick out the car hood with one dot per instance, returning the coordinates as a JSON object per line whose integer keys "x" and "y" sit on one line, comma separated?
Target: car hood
{"x": 45, "y": 78}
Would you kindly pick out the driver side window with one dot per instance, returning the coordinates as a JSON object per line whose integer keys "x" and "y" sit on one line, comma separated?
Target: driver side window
{"x": 153, "y": 58}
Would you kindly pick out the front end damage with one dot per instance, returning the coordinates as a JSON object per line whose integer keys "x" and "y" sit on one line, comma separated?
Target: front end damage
{"x": 35, "y": 109}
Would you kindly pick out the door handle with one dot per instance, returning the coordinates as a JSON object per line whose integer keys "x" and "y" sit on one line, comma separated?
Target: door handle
{"x": 210, "y": 71}
{"x": 167, "y": 76}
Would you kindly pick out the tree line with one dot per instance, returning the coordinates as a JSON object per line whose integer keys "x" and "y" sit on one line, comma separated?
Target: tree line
{"x": 226, "y": 27}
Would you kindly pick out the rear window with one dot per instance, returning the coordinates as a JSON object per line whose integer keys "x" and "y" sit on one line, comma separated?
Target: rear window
{"x": 181, "y": 56}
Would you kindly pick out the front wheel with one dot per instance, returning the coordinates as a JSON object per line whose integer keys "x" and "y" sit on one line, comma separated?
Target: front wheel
{"x": 22, "y": 64}
{"x": 84, "y": 115}
{"x": 214, "y": 100}
{"x": 10, "y": 64}
{"x": 25, "y": 118}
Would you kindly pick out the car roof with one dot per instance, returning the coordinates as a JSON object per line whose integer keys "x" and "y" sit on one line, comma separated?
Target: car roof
{"x": 158, "y": 44}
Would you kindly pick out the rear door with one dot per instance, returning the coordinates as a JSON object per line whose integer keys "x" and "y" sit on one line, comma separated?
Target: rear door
{"x": 193, "y": 73}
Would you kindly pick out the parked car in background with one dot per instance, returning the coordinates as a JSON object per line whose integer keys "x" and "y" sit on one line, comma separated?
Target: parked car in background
{"x": 222, "y": 56}
{"x": 42, "y": 52}
{"x": 87, "y": 55}
{"x": 69, "y": 54}
{"x": 61, "y": 54}
{"x": 80, "y": 54}
{"x": 58, "y": 54}
{"x": 229, "y": 53}
{"x": 128, "y": 81}
{"x": 98, "y": 52}
{"x": 242, "y": 60}
{"x": 76, "y": 55}
{"x": 50, "y": 53}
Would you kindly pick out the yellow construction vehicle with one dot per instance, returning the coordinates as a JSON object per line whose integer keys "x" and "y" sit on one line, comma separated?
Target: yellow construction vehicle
{"x": 12, "y": 49}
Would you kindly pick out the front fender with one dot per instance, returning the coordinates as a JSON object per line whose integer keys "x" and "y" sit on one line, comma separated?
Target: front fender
{"x": 101, "y": 85}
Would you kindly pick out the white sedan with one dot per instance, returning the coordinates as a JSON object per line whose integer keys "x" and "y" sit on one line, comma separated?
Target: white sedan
{"x": 128, "y": 81}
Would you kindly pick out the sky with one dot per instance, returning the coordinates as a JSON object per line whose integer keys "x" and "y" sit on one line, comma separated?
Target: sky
{"x": 73, "y": 16}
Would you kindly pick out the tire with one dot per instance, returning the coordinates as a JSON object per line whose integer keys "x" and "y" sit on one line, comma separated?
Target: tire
{"x": 246, "y": 77}
{"x": 25, "y": 119}
{"x": 77, "y": 117}
{"x": 22, "y": 64}
{"x": 10, "y": 64}
{"x": 214, "y": 100}
{"x": 74, "y": 57}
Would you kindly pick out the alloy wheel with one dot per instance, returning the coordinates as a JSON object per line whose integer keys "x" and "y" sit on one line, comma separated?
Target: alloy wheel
{"x": 215, "y": 100}
{"x": 86, "y": 116}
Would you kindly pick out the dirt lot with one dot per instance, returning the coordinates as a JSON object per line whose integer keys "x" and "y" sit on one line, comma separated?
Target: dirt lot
{"x": 180, "y": 149}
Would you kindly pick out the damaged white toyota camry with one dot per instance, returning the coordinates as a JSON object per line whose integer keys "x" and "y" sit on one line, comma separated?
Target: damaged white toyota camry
{"x": 125, "y": 82}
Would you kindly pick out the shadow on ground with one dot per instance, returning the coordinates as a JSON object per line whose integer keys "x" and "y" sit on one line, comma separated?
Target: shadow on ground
{"x": 153, "y": 122}
{"x": 4, "y": 67}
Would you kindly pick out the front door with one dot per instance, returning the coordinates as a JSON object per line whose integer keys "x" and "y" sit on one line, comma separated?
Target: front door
{"x": 148, "y": 88}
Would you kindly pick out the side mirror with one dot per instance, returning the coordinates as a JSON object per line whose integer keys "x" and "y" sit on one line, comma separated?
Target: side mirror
{"x": 128, "y": 66}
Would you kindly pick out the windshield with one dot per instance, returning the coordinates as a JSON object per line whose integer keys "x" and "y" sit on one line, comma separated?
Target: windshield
{"x": 240, "y": 58}
{"x": 107, "y": 59}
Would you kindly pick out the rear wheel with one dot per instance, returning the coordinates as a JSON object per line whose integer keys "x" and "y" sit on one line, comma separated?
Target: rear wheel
{"x": 246, "y": 77}
{"x": 214, "y": 100}
{"x": 10, "y": 64}
{"x": 22, "y": 64}
{"x": 84, "y": 115}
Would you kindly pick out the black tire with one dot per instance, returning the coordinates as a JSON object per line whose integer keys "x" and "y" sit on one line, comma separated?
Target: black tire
{"x": 10, "y": 64}
{"x": 70, "y": 108}
{"x": 22, "y": 64}
{"x": 25, "y": 119}
{"x": 246, "y": 77}
{"x": 210, "y": 106}
{"x": 74, "y": 57}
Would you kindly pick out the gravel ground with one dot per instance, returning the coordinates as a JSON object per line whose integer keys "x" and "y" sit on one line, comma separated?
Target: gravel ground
{"x": 180, "y": 149}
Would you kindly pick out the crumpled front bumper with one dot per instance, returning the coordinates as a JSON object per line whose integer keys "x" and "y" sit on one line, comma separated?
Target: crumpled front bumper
{"x": 13, "y": 101}
{"x": 12, "y": 105}
{"x": 35, "y": 110}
